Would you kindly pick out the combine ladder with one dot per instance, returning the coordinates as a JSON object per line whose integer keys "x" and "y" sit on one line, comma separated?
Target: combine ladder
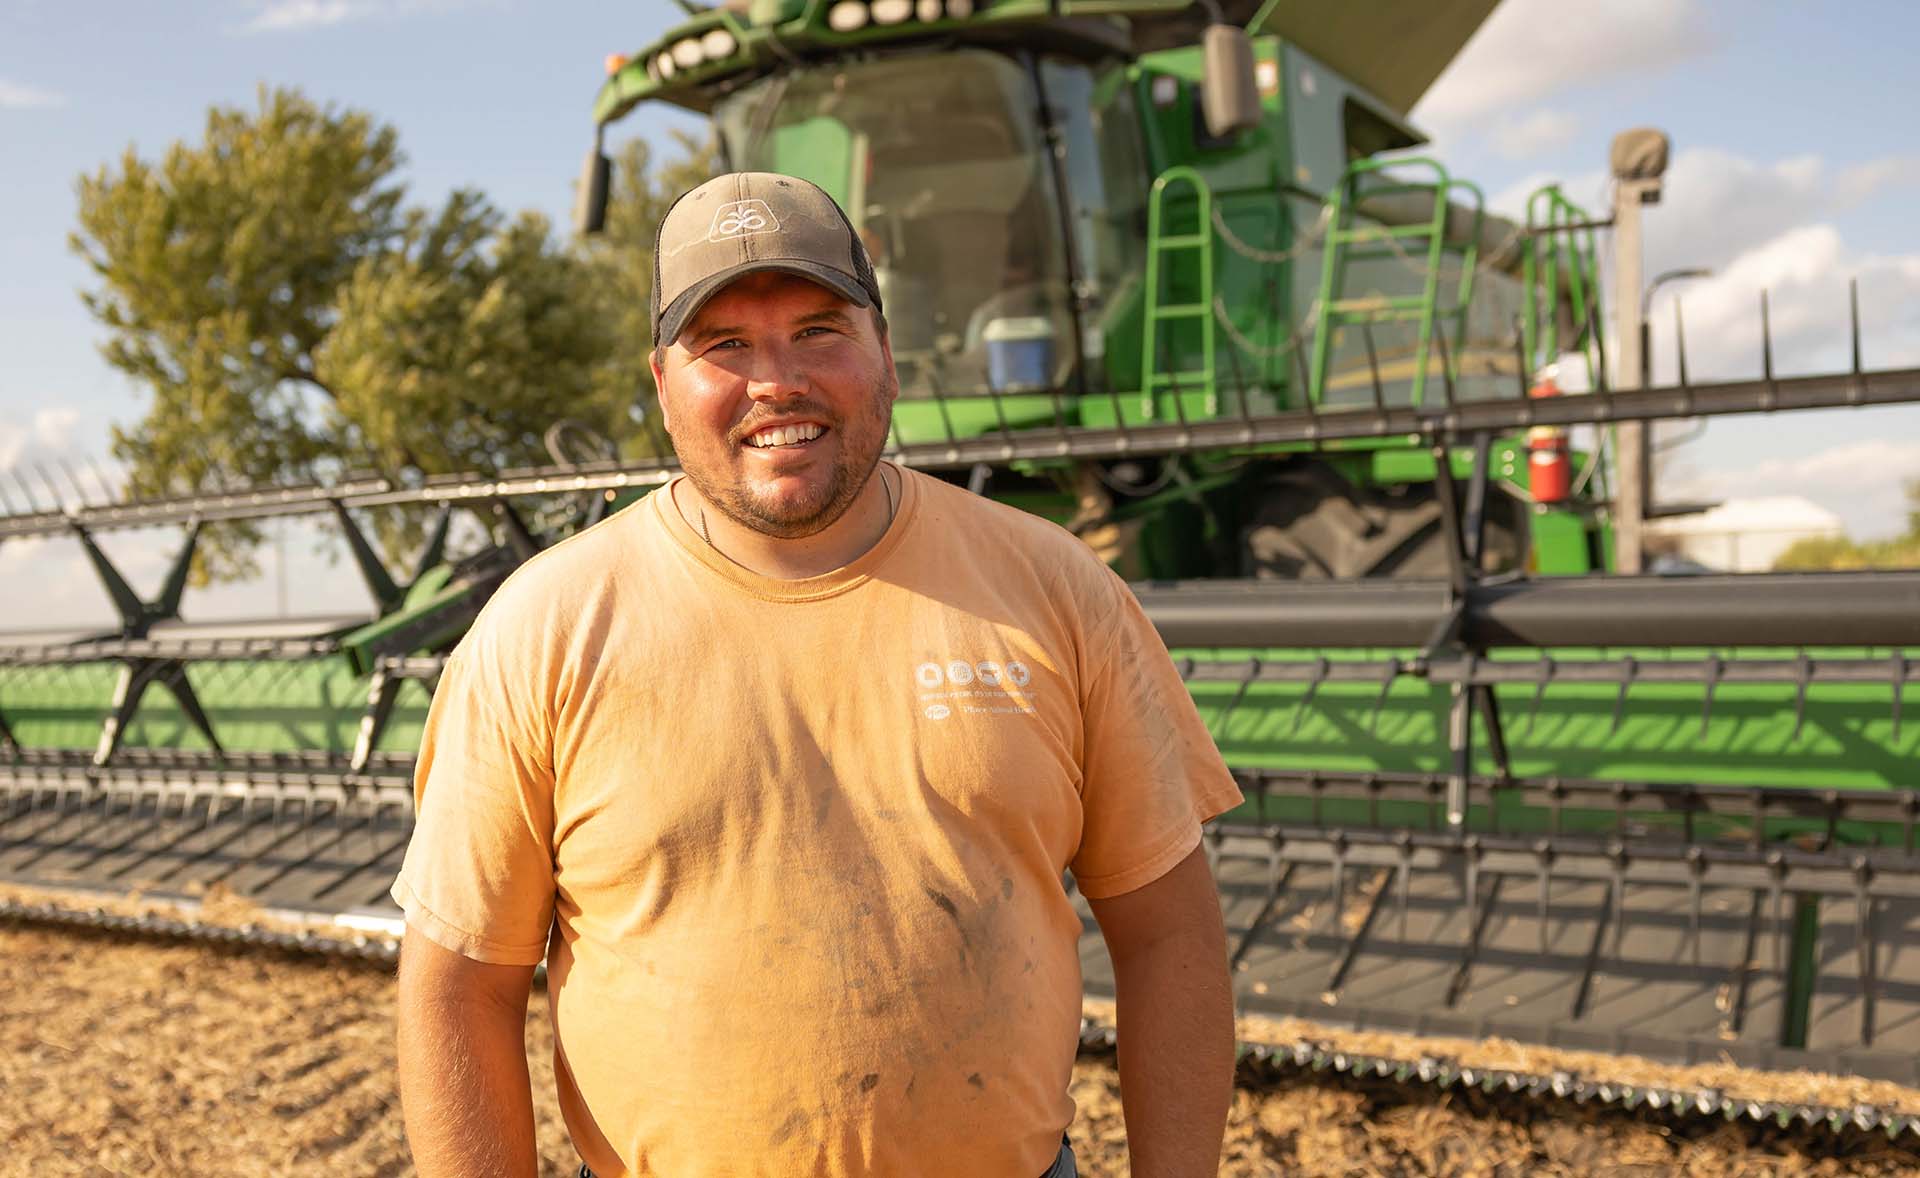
{"x": 1561, "y": 262}
{"x": 1423, "y": 247}
{"x": 1160, "y": 242}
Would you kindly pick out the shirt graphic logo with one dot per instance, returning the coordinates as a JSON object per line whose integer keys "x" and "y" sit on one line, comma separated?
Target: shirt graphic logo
{"x": 982, "y": 687}
{"x": 742, "y": 218}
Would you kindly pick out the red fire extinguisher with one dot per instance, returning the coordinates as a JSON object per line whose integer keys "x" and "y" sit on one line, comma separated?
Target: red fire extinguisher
{"x": 1549, "y": 457}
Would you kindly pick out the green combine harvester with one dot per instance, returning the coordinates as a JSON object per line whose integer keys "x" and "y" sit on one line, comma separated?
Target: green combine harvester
{"x": 1149, "y": 273}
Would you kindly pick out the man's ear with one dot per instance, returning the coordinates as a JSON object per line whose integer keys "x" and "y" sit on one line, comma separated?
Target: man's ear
{"x": 886, "y": 358}
{"x": 659, "y": 386}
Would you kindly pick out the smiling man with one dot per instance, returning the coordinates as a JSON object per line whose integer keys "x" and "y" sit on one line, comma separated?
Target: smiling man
{"x": 780, "y": 770}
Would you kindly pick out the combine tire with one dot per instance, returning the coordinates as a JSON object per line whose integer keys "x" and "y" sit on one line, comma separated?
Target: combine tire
{"x": 1310, "y": 523}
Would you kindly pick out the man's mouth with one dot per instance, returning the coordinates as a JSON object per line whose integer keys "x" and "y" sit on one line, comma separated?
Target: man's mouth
{"x": 777, "y": 436}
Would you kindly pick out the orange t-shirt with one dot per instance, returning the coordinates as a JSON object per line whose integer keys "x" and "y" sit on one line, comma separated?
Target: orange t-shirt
{"x": 793, "y": 849}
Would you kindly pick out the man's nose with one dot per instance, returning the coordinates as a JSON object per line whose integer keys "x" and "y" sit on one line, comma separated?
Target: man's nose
{"x": 777, "y": 376}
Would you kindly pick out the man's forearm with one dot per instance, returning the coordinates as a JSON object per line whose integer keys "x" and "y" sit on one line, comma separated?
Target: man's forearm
{"x": 1176, "y": 1058}
{"x": 464, "y": 1089}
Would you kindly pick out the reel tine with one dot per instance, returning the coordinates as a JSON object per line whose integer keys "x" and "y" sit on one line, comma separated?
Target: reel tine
{"x": 1802, "y": 679}
{"x": 1715, "y": 665}
{"x": 1776, "y": 897}
{"x": 1337, "y": 891}
{"x": 1539, "y": 694}
{"x": 1899, "y": 686}
{"x": 1696, "y": 873}
{"x": 1628, "y": 669}
{"x": 1471, "y": 848}
{"x": 1321, "y": 668}
{"x": 1392, "y": 672}
{"x": 1239, "y": 695}
{"x": 1403, "y": 842}
{"x": 247, "y": 820}
{"x": 1617, "y": 894}
{"x": 1864, "y": 942}
{"x": 1543, "y": 855}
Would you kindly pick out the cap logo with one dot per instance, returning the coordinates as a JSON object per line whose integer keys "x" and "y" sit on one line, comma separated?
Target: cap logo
{"x": 742, "y": 218}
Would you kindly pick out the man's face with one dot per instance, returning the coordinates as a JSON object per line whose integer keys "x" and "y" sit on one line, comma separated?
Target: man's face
{"x": 774, "y": 356}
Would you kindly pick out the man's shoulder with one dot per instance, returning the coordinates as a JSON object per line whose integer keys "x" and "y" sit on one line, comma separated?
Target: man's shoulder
{"x": 1005, "y": 537}
{"x": 979, "y": 520}
{"x": 559, "y": 585}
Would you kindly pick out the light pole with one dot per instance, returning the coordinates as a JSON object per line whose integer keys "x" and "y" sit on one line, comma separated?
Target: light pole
{"x": 1639, "y": 159}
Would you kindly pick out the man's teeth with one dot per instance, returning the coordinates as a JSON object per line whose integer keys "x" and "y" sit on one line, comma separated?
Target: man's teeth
{"x": 785, "y": 435}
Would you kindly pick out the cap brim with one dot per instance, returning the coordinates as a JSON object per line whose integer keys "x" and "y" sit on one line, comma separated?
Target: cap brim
{"x": 674, "y": 319}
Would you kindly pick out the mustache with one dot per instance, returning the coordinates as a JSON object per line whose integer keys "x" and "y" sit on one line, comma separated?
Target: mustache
{"x": 798, "y": 412}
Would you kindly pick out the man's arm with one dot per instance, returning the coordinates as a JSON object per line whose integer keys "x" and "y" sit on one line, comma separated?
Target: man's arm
{"x": 463, "y": 1063}
{"x": 1169, "y": 950}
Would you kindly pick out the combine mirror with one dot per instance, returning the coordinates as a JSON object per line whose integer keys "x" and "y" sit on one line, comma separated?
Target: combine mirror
{"x": 590, "y": 200}
{"x": 1229, "y": 97}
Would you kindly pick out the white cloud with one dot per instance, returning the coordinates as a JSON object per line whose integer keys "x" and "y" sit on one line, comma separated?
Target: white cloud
{"x": 1716, "y": 205}
{"x": 1528, "y": 136}
{"x": 16, "y": 96}
{"x": 1863, "y": 182}
{"x": 54, "y": 428}
{"x": 1763, "y": 227}
{"x": 1530, "y": 50}
{"x": 288, "y": 16}
{"x": 1805, "y": 273}
{"x": 1511, "y": 201}
{"x": 1859, "y": 481}
{"x": 40, "y": 463}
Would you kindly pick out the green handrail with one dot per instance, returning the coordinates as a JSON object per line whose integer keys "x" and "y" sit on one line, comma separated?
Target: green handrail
{"x": 1561, "y": 249}
{"x": 1331, "y": 311}
{"x": 1159, "y": 241}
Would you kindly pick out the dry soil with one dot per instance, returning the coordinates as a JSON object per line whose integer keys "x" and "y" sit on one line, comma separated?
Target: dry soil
{"x": 124, "y": 1056}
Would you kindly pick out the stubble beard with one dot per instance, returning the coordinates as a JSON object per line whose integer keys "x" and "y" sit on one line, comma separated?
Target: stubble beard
{"x": 861, "y": 438}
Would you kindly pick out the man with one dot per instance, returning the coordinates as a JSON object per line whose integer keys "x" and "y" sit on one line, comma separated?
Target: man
{"x": 780, "y": 769}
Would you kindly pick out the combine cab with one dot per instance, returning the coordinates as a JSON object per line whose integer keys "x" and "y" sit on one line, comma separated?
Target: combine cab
{"x": 1148, "y": 274}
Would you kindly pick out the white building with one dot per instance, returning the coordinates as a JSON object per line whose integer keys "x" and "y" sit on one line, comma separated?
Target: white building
{"x": 1745, "y": 535}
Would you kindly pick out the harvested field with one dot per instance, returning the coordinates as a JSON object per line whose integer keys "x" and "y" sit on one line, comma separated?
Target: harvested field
{"x": 126, "y": 1056}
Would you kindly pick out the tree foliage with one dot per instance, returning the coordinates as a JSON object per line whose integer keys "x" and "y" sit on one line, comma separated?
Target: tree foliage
{"x": 294, "y": 318}
{"x": 1837, "y": 553}
{"x": 621, "y": 263}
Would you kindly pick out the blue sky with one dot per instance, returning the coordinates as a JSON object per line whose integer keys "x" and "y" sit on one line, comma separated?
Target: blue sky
{"x": 1794, "y": 168}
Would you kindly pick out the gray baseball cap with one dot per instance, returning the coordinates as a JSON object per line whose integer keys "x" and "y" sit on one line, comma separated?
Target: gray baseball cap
{"x": 746, "y": 222}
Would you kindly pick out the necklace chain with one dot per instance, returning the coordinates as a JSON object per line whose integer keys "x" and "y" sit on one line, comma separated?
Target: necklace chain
{"x": 879, "y": 471}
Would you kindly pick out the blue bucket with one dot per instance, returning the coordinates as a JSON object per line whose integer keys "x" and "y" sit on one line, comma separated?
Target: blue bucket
{"x": 1019, "y": 354}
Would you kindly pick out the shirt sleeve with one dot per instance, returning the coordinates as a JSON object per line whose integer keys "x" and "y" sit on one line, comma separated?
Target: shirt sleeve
{"x": 478, "y": 877}
{"x": 1151, "y": 772}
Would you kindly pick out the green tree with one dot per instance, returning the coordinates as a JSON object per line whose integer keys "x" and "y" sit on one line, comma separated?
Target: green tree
{"x": 1834, "y": 553}
{"x": 621, "y": 262}
{"x": 294, "y": 318}
{"x": 1820, "y": 554}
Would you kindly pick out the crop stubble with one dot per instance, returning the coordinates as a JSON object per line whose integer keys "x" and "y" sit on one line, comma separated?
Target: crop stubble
{"x": 126, "y": 1056}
